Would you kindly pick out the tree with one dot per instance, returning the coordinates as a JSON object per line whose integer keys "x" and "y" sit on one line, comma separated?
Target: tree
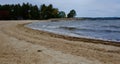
{"x": 71, "y": 14}
{"x": 47, "y": 12}
{"x": 17, "y": 11}
{"x": 55, "y": 13}
{"x": 26, "y": 11}
{"x": 62, "y": 14}
{"x": 43, "y": 11}
{"x": 34, "y": 12}
{"x": 29, "y": 11}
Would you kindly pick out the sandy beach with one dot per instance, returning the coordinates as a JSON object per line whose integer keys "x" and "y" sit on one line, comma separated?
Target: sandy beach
{"x": 21, "y": 45}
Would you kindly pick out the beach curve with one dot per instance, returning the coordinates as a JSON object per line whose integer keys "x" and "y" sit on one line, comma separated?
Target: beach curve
{"x": 52, "y": 50}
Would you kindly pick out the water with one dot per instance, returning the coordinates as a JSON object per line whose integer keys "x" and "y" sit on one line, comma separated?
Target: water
{"x": 96, "y": 29}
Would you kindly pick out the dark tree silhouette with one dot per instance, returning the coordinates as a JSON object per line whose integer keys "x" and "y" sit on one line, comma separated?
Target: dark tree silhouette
{"x": 47, "y": 12}
{"x": 29, "y": 11}
{"x": 62, "y": 14}
{"x": 71, "y": 14}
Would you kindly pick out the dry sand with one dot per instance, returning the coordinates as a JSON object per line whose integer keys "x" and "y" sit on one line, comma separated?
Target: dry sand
{"x": 21, "y": 45}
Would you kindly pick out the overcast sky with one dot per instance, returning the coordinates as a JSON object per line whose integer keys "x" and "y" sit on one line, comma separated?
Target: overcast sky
{"x": 84, "y": 8}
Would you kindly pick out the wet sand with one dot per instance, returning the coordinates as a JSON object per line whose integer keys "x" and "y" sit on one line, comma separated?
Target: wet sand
{"x": 21, "y": 45}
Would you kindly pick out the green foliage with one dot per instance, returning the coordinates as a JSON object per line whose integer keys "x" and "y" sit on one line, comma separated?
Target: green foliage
{"x": 62, "y": 14}
{"x": 29, "y": 11}
{"x": 71, "y": 14}
{"x": 34, "y": 12}
{"x": 48, "y": 12}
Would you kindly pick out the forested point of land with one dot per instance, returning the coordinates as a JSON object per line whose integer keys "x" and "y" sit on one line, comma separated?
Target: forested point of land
{"x": 28, "y": 11}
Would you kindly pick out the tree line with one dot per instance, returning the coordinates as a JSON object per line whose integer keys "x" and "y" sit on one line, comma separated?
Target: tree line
{"x": 29, "y": 11}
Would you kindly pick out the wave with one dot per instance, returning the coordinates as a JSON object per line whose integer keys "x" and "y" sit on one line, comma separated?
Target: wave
{"x": 100, "y": 30}
{"x": 68, "y": 28}
{"x": 112, "y": 26}
{"x": 88, "y": 30}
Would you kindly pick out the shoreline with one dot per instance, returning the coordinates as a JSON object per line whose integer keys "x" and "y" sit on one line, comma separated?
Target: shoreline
{"x": 72, "y": 38}
{"x": 25, "y": 45}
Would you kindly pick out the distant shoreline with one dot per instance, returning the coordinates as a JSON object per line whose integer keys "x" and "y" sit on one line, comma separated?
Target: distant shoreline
{"x": 88, "y": 18}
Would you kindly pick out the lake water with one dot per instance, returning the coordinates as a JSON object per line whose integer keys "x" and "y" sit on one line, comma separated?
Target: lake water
{"x": 95, "y": 29}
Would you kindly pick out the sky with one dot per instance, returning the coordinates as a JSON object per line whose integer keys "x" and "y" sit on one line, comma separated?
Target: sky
{"x": 84, "y": 8}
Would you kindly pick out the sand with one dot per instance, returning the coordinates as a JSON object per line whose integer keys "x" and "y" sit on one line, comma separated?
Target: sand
{"x": 21, "y": 45}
